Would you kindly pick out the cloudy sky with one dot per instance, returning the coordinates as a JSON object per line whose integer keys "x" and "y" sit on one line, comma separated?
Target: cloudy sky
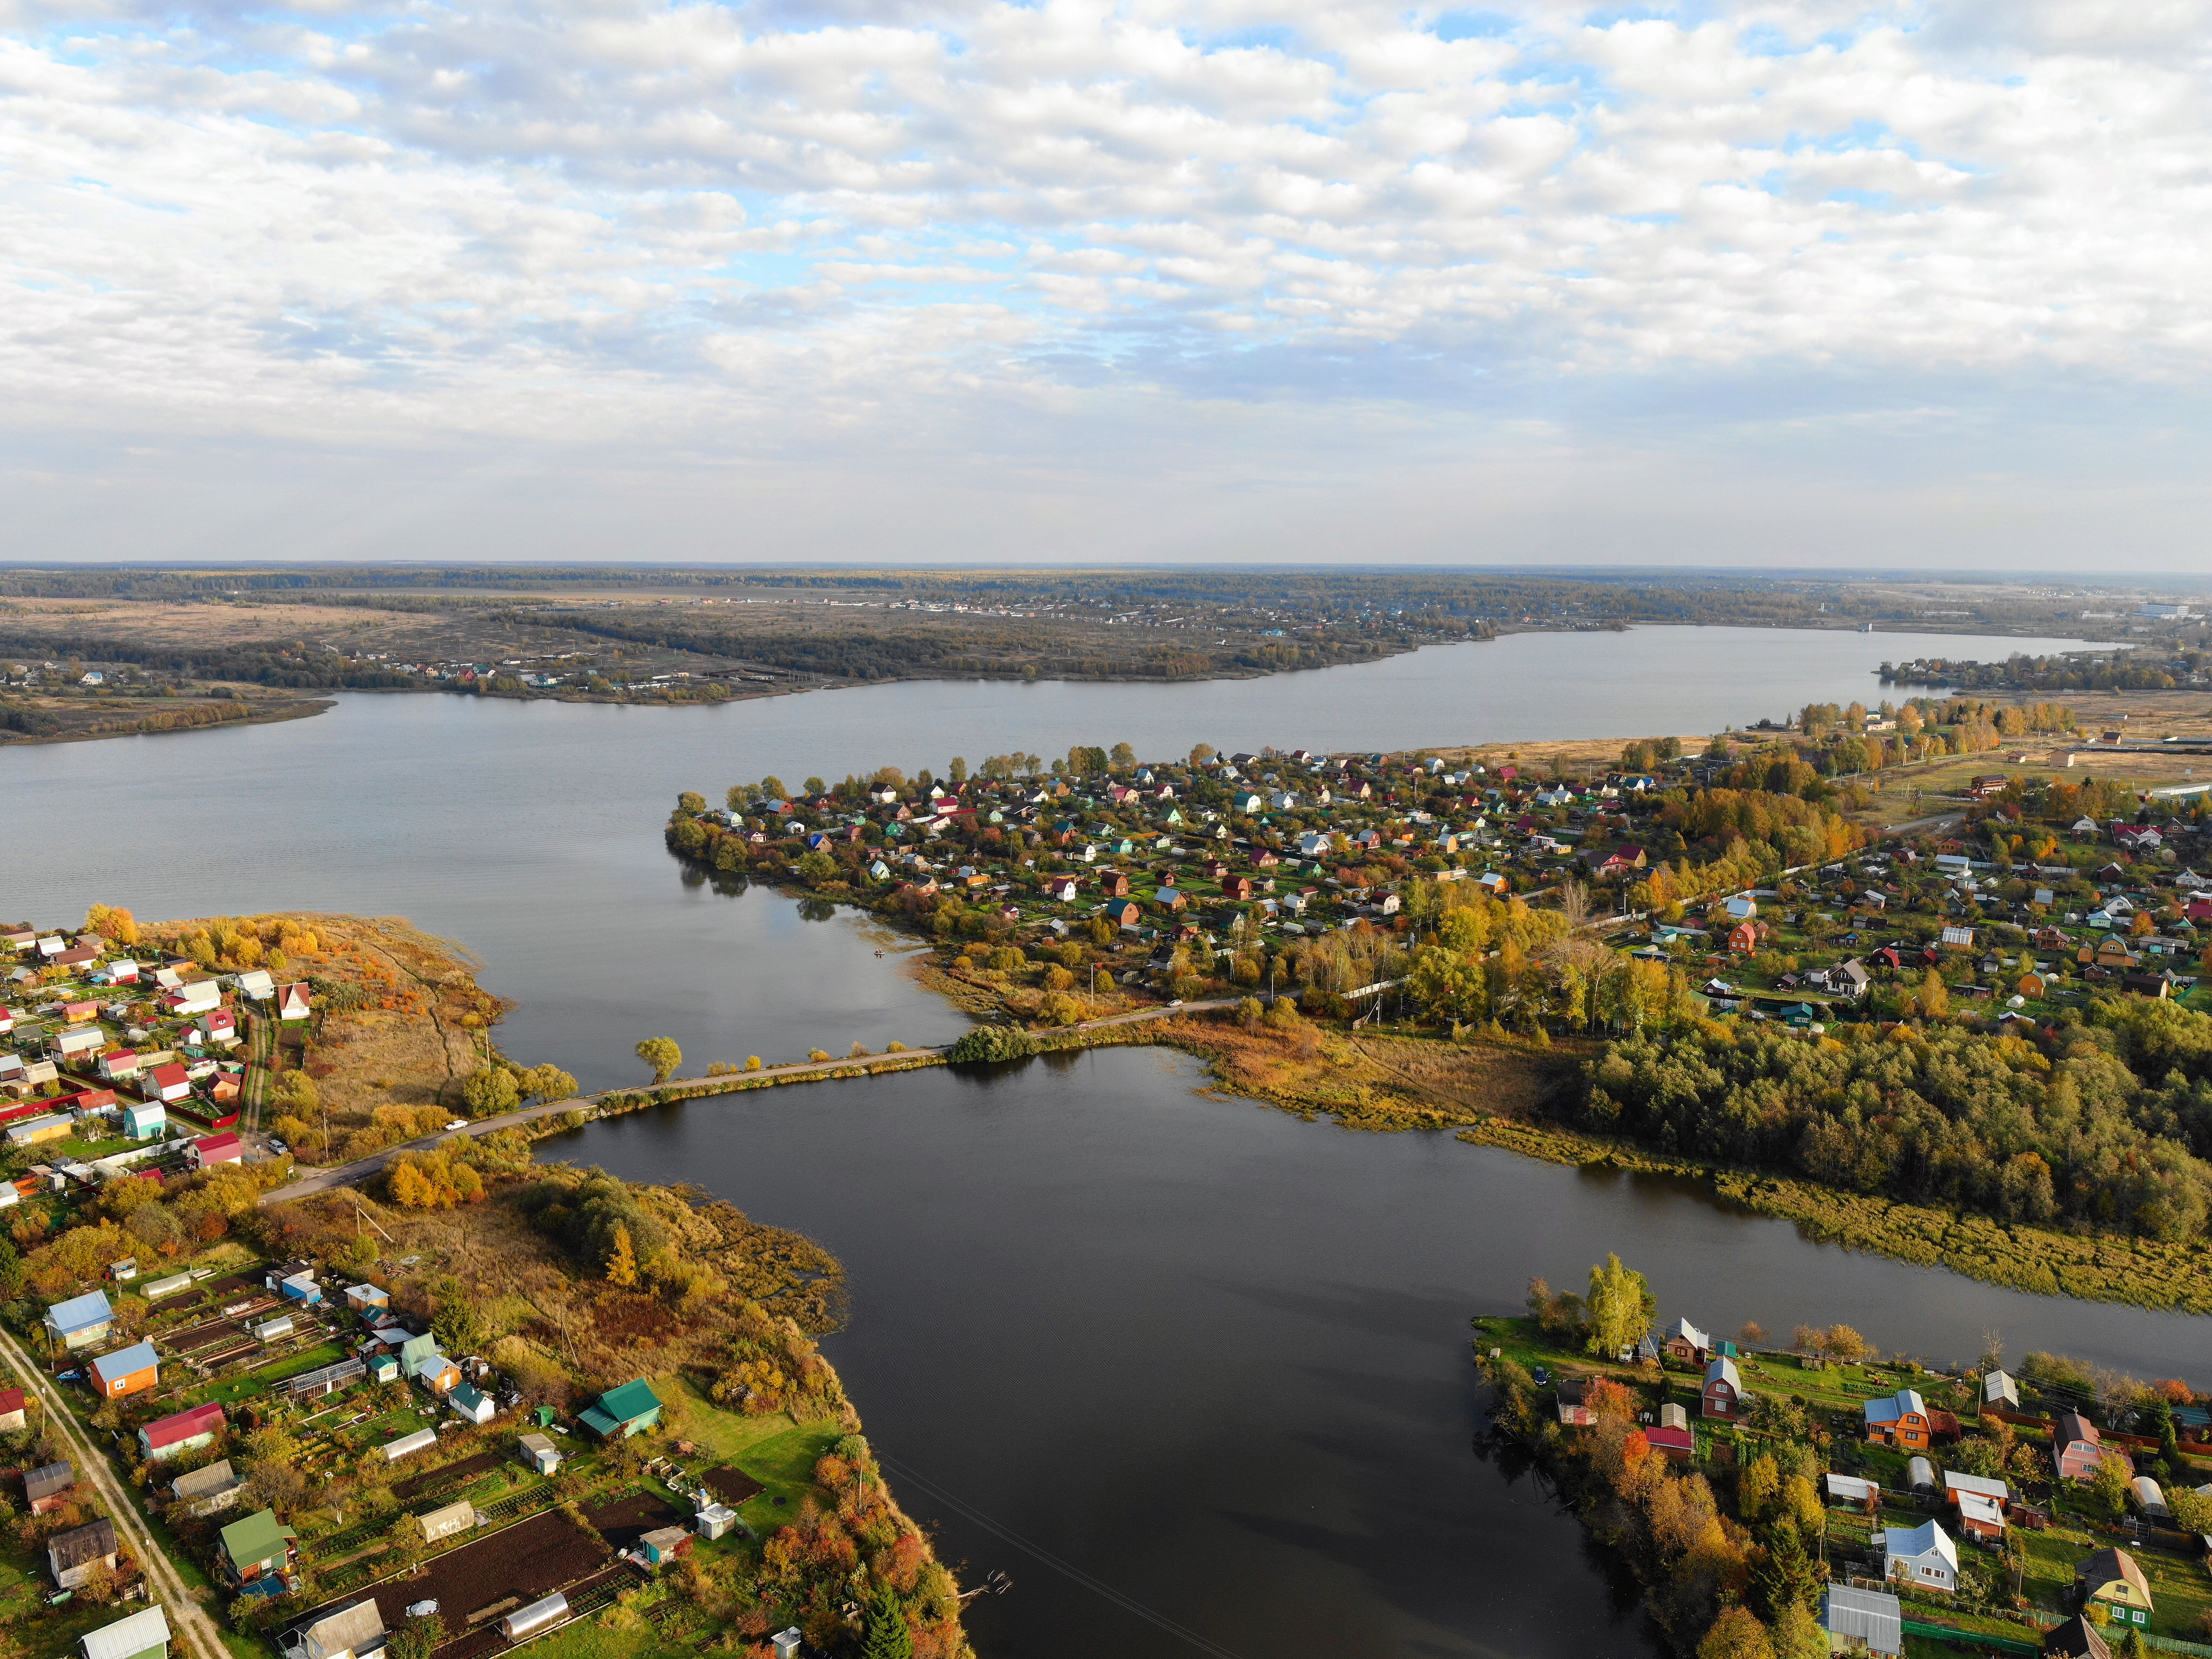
{"x": 1772, "y": 283}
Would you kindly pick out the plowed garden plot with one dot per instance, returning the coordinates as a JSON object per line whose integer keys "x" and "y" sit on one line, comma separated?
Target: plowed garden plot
{"x": 625, "y": 1521}
{"x": 202, "y": 1336}
{"x": 732, "y": 1487}
{"x": 495, "y": 1574}
{"x": 583, "y": 1599}
{"x": 453, "y": 1474}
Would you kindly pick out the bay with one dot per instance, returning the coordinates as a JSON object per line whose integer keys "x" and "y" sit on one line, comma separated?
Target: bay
{"x": 1218, "y": 1357}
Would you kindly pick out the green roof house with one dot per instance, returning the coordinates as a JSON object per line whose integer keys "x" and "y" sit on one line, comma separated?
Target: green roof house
{"x": 259, "y": 1547}
{"x": 620, "y": 1412}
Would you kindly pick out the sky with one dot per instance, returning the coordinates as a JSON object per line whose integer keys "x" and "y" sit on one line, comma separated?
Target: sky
{"x": 1775, "y": 284}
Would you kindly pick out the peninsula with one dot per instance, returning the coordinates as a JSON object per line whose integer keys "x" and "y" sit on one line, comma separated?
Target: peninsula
{"x": 473, "y": 1401}
{"x": 1883, "y": 972}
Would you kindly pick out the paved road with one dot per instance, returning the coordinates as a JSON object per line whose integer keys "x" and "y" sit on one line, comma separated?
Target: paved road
{"x": 188, "y": 1621}
{"x": 361, "y": 1169}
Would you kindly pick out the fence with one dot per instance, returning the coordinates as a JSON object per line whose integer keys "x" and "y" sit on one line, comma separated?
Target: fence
{"x": 1968, "y": 1638}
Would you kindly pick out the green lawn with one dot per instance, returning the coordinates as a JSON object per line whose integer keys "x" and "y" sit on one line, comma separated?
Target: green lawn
{"x": 776, "y": 1451}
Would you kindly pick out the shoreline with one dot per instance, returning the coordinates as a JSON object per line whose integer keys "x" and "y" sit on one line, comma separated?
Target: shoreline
{"x": 320, "y": 699}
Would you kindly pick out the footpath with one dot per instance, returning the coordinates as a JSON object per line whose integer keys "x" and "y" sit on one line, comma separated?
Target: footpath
{"x": 806, "y": 1071}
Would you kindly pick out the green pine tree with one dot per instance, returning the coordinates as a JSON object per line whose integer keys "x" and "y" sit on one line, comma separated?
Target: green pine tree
{"x": 888, "y": 1636}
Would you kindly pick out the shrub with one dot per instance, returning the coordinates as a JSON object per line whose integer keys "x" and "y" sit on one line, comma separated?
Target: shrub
{"x": 989, "y": 1045}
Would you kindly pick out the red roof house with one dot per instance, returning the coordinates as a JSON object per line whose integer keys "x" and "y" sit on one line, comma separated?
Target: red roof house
{"x": 292, "y": 1002}
{"x": 167, "y": 1083}
{"x": 186, "y": 1431}
{"x": 211, "y": 1150}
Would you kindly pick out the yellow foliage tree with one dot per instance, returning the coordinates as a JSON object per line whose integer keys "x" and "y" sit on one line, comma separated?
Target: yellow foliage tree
{"x": 622, "y": 1262}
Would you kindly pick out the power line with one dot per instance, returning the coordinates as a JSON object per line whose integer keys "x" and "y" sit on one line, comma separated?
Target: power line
{"x": 1127, "y": 1604}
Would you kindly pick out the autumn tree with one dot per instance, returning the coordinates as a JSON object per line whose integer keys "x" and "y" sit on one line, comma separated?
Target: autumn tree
{"x": 488, "y": 1090}
{"x": 1737, "y": 1634}
{"x": 662, "y": 1054}
{"x": 1758, "y": 1487}
{"x": 113, "y": 923}
{"x": 622, "y": 1260}
{"x": 547, "y": 1083}
{"x": 1798, "y": 1635}
{"x": 1620, "y": 1307}
{"x": 1844, "y": 1344}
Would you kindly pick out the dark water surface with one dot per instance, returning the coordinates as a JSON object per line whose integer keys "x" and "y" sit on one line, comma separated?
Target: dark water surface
{"x": 1217, "y": 1356}
{"x": 1212, "y": 1355}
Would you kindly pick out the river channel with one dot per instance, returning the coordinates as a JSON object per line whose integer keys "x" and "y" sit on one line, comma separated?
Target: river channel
{"x": 1207, "y": 1355}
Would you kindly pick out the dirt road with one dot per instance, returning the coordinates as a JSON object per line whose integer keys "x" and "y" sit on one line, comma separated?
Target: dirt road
{"x": 188, "y": 1623}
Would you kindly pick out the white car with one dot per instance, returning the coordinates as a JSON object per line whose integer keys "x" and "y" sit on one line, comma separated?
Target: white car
{"x": 422, "y": 1609}
{"x": 458, "y": 1123}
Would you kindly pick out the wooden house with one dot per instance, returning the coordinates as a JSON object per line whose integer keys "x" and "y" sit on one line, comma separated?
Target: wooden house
{"x": 1901, "y": 1419}
{"x": 1722, "y": 1395}
{"x": 255, "y": 1548}
{"x": 1923, "y": 1557}
{"x": 2076, "y": 1638}
{"x": 1685, "y": 1344}
{"x": 2111, "y": 1580}
{"x": 1672, "y": 1435}
{"x": 74, "y": 1556}
{"x": 127, "y": 1370}
{"x": 2076, "y": 1448}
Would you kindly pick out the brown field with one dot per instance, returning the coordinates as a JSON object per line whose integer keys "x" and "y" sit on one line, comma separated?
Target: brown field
{"x": 418, "y": 1028}
{"x": 1377, "y": 1080}
{"x": 732, "y": 1485}
{"x": 516, "y": 1565}
{"x": 553, "y": 1321}
{"x": 626, "y": 1520}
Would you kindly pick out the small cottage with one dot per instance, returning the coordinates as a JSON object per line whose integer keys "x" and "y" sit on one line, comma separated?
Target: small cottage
{"x": 127, "y": 1370}
{"x": 353, "y": 1632}
{"x": 206, "y": 1490}
{"x": 2111, "y": 1579}
{"x": 540, "y": 1453}
{"x": 181, "y": 1432}
{"x": 1923, "y": 1557}
{"x": 1686, "y": 1345}
{"x": 1673, "y": 1435}
{"x": 1901, "y": 1419}
{"x": 2075, "y": 1446}
{"x": 82, "y": 1321}
{"x": 259, "y": 1547}
{"x": 620, "y": 1413}
{"x": 1722, "y": 1394}
{"x": 2077, "y": 1638}
{"x": 74, "y": 1556}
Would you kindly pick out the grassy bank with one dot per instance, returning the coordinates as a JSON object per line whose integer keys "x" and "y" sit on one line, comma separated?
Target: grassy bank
{"x": 2094, "y": 1266}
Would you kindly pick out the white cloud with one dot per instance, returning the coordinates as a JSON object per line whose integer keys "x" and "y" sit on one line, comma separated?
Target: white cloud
{"x": 796, "y": 234}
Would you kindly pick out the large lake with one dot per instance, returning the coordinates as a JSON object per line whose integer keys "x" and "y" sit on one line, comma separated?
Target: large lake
{"x": 1211, "y": 1355}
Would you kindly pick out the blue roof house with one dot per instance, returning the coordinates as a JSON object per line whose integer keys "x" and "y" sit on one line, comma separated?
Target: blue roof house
{"x": 81, "y": 1321}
